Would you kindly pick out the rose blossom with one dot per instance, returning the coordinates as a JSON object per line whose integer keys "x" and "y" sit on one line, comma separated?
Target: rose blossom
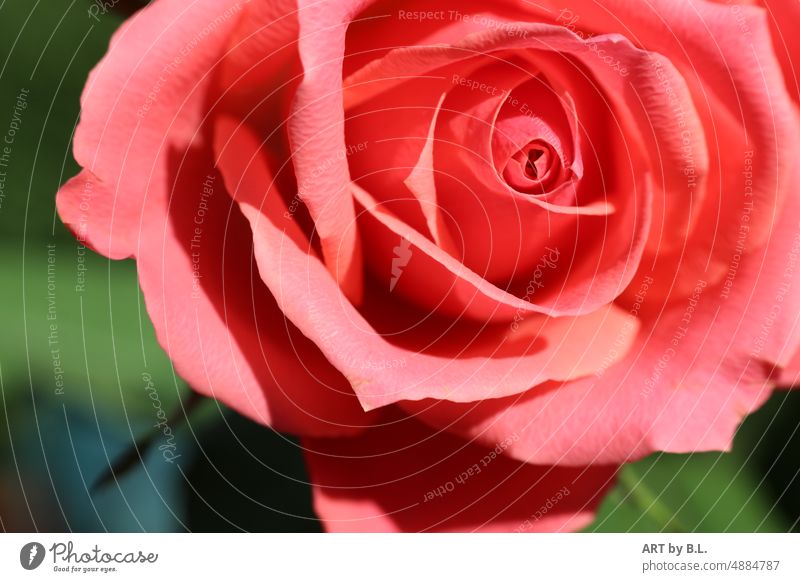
{"x": 476, "y": 255}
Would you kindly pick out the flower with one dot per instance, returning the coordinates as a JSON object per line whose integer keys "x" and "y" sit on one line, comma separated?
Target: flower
{"x": 424, "y": 235}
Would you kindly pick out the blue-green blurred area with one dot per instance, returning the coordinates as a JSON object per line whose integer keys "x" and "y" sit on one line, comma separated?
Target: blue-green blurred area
{"x": 82, "y": 378}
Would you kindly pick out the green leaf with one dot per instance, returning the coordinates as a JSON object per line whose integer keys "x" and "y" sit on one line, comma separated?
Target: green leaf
{"x": 701, "y": 492}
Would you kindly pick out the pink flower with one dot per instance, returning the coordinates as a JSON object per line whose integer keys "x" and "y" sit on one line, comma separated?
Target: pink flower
{"x": 476, "y": 255}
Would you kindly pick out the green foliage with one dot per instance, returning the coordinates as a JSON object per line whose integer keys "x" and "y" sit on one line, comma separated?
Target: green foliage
{"x": 749, "y": 489}
{"x": 85, "y": 346}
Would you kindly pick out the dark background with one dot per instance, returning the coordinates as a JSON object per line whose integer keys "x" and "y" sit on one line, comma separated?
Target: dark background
{"x": 231, "y": 474}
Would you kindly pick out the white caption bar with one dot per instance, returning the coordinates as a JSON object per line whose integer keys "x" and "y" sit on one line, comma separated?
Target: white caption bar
{"x": 355, "y": 558}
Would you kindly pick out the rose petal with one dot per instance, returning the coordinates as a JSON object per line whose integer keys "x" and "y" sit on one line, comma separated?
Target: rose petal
{"x": 213, "y": 316}
{"x": 146, "y": 93}
{"x": 783, "y": 14}
{"x": 404, "y": 477}
{"x": 498, "y": 365}
{"x": 790, "y": 374}
{"x": 143, "y": 106}
{"x": 317, "y": 125}
{"x": 421, "y": 182}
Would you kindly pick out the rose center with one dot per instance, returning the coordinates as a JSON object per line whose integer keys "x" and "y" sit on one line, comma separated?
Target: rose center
{"x": 534, "y": 168}
{"x": 537, "y": 163}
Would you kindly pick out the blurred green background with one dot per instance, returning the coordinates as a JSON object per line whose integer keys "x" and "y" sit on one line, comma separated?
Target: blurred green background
{"x": 231, "y": 474}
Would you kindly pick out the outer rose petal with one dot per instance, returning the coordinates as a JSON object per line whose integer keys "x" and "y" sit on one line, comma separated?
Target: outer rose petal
{"x": 385, "y": 481}
{"x": 219, "y": 325}
{"x": 261, "y": 49}
{"x": 783, "y": 18}
{"x": 139, "y": 196}
{"x": 790, "y": 375}
{"x": 146, "y": 94}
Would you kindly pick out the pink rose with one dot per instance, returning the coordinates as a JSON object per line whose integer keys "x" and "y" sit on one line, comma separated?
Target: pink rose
{"x": 782, "y": 16}
{"x": 477, "y": 255}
